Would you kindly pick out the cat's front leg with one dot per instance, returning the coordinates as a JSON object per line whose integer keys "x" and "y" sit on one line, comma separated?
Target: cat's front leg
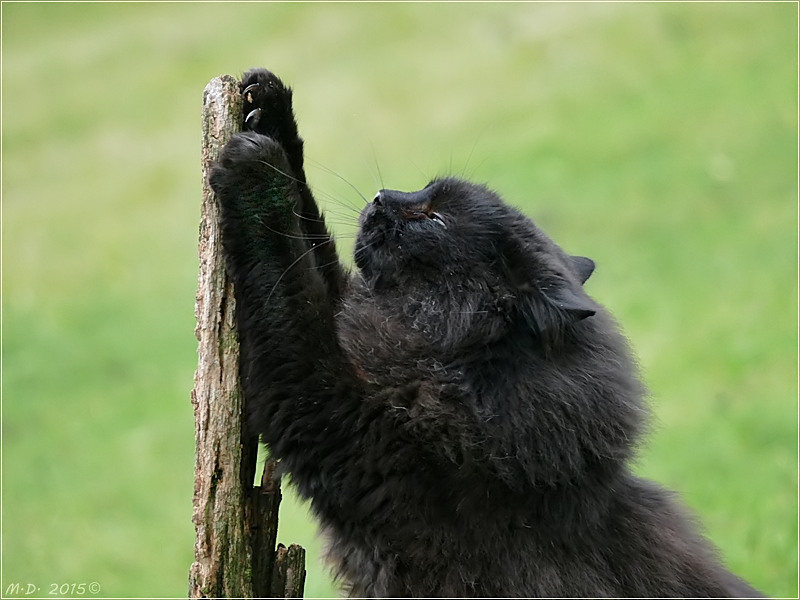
{"x": 267, "y": 109}
{"x": 258, "y": 204}
{"x": 292, "y": 370}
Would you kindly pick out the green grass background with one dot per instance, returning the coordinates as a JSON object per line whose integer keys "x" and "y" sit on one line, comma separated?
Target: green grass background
{"x": 659, "y": 139}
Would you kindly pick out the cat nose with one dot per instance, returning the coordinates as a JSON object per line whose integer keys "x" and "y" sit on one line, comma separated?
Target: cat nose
{"x": 396, "y": 200}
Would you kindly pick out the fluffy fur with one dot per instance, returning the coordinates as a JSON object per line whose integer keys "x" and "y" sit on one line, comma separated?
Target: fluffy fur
{"x": 459, "y": 411}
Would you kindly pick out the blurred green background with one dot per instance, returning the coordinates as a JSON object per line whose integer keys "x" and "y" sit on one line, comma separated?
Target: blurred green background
{"x": 659, "y": 139}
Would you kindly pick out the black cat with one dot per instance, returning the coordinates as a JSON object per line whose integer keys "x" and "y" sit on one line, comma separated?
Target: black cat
{"x": 459, "y": 411}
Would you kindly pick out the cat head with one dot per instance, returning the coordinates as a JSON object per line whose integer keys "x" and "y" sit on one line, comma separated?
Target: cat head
{"x": 459, "y": 243}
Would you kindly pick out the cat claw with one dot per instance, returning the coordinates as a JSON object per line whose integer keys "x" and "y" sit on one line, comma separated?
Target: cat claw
{"x": 246, "y": 91}
{"x": 252, "y": 117}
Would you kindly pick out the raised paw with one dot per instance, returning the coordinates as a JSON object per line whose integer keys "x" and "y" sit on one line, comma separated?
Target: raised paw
{"x": 267, "y": 107}
{"x": 253, "y": 177}
{"x": 249, "y": 160}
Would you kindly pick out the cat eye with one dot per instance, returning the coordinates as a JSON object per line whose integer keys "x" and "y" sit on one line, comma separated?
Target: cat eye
{"x": 418, "y": 215}
{"x": 434, "y": 216}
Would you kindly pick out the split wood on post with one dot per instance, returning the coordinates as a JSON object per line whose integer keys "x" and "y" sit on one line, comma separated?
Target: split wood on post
{"x": 236, "y": 523}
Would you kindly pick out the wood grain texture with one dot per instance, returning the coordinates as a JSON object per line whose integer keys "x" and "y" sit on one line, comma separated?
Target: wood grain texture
{"x": 235, "y": 523}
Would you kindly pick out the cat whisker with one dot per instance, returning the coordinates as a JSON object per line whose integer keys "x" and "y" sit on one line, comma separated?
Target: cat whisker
{"x": 344, "y": 219}
{"x": 324, "y": 194}
{"x": 418, "y": 168}
{"x": 292, "y": 264}
{"x": 307, "y": 237}
{"x": 469, "y": 156}
{"x": 323, "y": 265}
{"x": 340, "y": 214}
{"x": 363, "y": 248}
{"x": 281, "y": 172}
{"x": 380, "y": 183}
{"x": 340, "y": 177}
{"x": 330, "y": 198}
{"x": 305, "y": 218}
{"x": 347, "y": 227}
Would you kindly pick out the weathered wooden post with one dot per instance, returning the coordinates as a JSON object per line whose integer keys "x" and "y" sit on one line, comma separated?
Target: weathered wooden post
{"x": 236, "y": 523}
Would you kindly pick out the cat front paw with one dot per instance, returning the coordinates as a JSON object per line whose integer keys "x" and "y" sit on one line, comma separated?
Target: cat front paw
{"x": 267, "y": 107}
{"x": 250, "y": 161}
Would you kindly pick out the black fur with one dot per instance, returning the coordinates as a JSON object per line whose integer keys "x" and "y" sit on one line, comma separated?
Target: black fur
{"x": 459, "y": 411}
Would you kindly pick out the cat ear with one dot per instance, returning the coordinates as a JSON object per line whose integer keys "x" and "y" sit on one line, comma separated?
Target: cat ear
{"x": 583, "y": 267}
{"x": 549, "y": 309}
{"x": 562, "y": 296}
{"x": 547, "y": 301}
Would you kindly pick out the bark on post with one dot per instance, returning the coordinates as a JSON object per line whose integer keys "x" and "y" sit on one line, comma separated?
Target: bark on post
{"x": 236, "y": 523}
